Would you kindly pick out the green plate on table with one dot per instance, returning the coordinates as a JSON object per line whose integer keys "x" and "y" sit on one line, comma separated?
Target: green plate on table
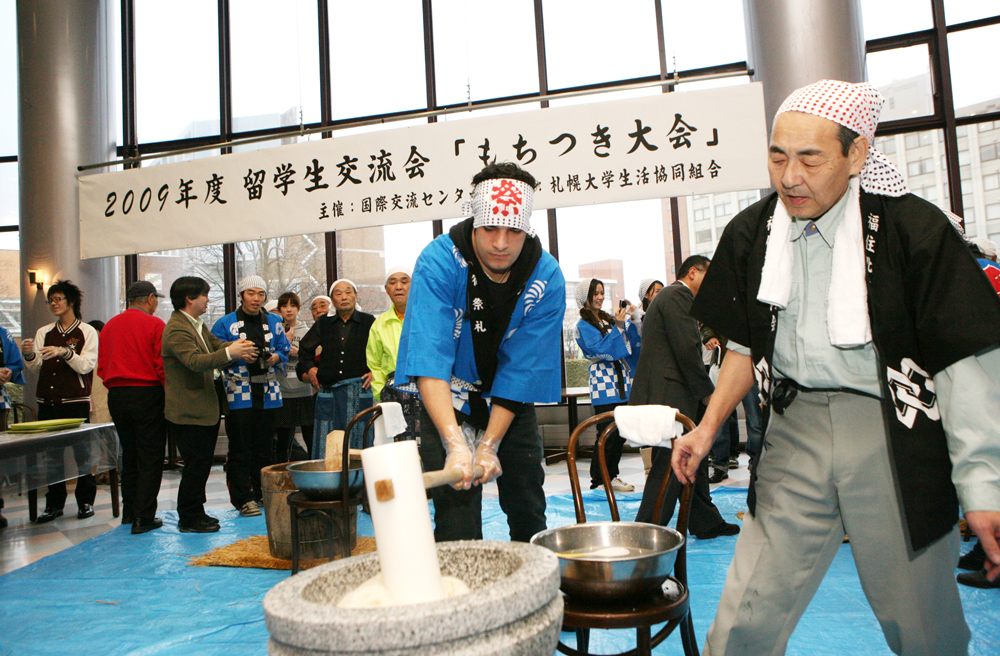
{"x": 45, "y": 425}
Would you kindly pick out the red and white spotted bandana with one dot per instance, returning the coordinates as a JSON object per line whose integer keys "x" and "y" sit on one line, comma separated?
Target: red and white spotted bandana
{"x": 855, "y": 106}
{"x": 502, "y": 202}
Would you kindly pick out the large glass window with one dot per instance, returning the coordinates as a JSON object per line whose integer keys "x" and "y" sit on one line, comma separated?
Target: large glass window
{"x": 891, "y": 17}
{"x": 287, "y": 264}
{"x": 618, "y": 243}
{"x": 465, "y": 70}
{"x": 916, "y": 163}
{"x": 377, "y": 57}
{"x": 9, "y": 200}
{"x": 8, "y": 80}
{"x": 600, "y": 42}
{"x": 164, "y": 267}
{"x": 903, "y": 76}
{"x": 960, "y": 11}
{"x": 10, "y": 283}
{"x": 177, "y": 86}
{"x": 703, "y": 34}
{"x": 275, "y": 64}
{"x": 976, "y": 91}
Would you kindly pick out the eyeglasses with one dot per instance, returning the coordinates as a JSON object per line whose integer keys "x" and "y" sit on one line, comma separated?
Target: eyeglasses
{"x": 56, "y": 299}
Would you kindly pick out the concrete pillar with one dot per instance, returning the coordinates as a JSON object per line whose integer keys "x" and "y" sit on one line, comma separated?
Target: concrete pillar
{"x": 64, "y": 121}
{"x": 793, "y": 43}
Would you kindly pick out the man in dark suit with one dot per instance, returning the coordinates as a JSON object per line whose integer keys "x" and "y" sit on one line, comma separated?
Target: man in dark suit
{"x": 671, "y": 372}
{"x": 191, "y": 355}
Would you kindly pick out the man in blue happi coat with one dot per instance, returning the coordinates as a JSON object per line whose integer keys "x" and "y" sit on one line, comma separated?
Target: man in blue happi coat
{"x": 481, "y": 343}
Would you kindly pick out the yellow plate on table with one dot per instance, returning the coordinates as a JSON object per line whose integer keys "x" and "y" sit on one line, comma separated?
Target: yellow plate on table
{"x": 45, "y": 425}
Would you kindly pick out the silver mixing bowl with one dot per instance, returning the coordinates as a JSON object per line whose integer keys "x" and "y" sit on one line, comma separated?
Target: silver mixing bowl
{"x": 654, "y": 550}
{"x": 310, "y": 477}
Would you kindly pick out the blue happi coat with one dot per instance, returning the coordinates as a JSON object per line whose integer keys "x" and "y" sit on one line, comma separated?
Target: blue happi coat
{"x": 237, "y": 376}
{"x": 603, "y": 351}
{"x": 437, "y": 336}
{"x": 13, "y": 361}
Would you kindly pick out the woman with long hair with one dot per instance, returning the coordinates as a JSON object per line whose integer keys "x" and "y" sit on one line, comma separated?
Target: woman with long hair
{"x": 611, "y": 343}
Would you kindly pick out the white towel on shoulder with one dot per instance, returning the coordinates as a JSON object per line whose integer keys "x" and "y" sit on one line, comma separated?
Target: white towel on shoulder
{"x": 648, "y": 425}
{"x": 847, "y": 299}
{"x": 390, "y": 424}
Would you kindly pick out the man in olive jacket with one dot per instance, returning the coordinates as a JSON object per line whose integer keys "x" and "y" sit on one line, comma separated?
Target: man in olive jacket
{"x": 191, "y": 355}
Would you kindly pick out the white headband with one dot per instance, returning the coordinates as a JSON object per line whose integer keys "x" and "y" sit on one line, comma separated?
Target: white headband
{"x": 502, "y": 202}
{"x": 394, "y": 270}
{"x": 340, "y": 280}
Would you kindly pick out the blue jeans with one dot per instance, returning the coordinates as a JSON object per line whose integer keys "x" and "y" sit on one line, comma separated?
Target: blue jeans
{"x": 751, "y": 407}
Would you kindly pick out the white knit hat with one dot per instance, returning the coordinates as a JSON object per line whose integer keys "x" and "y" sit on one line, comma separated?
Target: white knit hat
{"x": 644, "y": 286}
{"x": 582, "y": 288}
{"x": 251, "y": 282}
{"x": 502, "y": 202}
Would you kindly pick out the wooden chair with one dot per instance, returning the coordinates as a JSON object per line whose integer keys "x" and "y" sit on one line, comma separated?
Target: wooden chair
{"x": 640, "y": 614}
{"x": 21, "y": 412}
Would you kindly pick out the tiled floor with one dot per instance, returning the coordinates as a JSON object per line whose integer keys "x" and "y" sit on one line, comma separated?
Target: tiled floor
{"x": 22, "y": 542}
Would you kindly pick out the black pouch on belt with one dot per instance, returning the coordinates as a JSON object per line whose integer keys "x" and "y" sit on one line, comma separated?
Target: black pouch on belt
{"x": 783, "y": 393}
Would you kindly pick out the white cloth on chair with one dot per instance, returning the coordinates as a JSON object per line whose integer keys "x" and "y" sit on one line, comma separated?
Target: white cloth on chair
{"x": 390, "y": 424}
{"x": 648, "y": 425}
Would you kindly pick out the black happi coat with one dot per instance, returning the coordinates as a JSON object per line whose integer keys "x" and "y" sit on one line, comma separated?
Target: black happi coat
{"x": 929, "y": 305}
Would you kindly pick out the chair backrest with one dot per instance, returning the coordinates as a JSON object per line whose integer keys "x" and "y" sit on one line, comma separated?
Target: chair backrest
{"x": 375, "y": 412}
{"x": 680, "y": 566}
{"x": 21, "y": 412}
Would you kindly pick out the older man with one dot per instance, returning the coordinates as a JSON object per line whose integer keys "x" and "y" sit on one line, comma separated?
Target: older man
{"x": 130, "y": 362}
{"x": 482, "y": 344}
{"x": 253, "y": 393}
{"x": 383, "y": 339}
{"x": 341, "y": 375}
{"x": 383, "y": 344}
{"x": 319, "y": 307}
{"x": 882, "y": 377}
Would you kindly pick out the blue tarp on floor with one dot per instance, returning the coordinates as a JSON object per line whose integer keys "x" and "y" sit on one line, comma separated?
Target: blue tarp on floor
{"x": 123, "y": 594}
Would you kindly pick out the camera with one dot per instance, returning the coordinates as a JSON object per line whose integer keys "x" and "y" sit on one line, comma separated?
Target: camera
{"x": 623, "y": 304}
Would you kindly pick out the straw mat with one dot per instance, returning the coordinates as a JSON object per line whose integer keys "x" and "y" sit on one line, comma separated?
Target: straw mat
{"x": 254, "y": 552}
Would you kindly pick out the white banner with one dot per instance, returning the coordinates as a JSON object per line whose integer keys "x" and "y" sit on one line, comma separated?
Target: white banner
{"x": 658, "y": 146}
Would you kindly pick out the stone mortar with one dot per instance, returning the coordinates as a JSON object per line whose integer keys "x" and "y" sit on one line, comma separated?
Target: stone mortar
{"x": 514, "y": 607}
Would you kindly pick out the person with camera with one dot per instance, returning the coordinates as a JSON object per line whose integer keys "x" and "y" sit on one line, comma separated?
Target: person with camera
{"x": 611, "y": 343}
{"x": 253, "y": 392}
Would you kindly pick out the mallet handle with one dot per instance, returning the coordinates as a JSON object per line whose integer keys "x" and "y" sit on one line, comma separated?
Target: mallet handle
{"x": 448, "y": 476}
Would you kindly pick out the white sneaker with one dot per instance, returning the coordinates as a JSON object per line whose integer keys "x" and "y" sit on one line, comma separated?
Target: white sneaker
{"x": 250, "y": 509}
{"x": 618, "y": 485}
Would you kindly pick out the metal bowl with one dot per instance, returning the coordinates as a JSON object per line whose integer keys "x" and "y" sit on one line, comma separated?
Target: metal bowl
{"x": 311, "y": 478}
{"x": 653, "y": 550}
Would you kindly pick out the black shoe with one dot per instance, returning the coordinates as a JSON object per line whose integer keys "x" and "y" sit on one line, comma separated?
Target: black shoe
{"x": 734, "y": 462}
{"x": 146, "y": 525}
{"x": 127, "y": 518}
{"x": 720, "y": 530}
{"x": 200, "y": 526}
{"x": 209, "y": 519}
{"x": 974, "y": 560}
{"x": 49, "y": 515}
{"x": 86, "y": 510}
{"x": 3, "y": 521}
{"x": 978, "y": 580}
{"x": 718, "y": 475}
